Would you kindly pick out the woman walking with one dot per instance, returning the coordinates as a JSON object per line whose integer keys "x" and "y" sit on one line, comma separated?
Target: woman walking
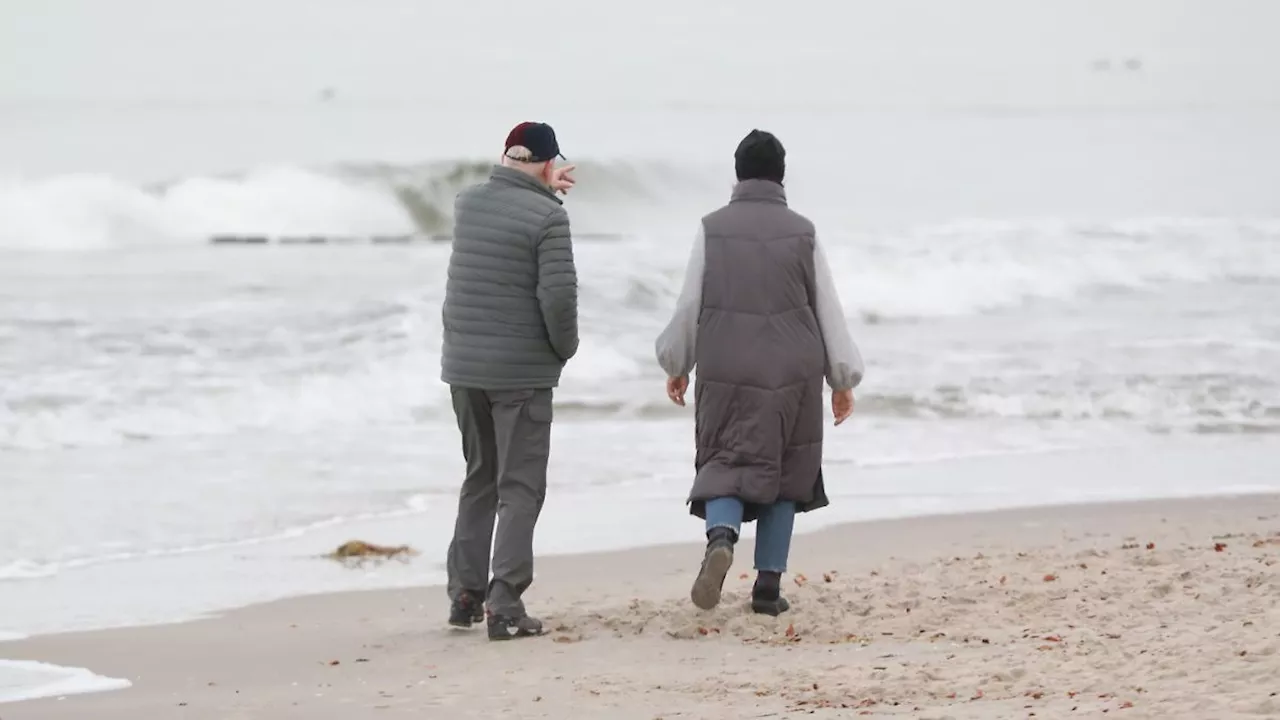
{"x": 760, "y": 319}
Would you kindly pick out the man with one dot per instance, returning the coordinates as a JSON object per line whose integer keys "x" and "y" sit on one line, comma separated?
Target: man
{"x": 510, "y": 319}
{"x": 760, "y": 318}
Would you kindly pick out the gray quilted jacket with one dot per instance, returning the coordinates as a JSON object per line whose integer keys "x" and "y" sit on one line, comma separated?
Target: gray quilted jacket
{"x": 511, "y": 300}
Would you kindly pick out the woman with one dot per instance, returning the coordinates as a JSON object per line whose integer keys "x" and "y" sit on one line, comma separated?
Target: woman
{"x": 760, "y": 318}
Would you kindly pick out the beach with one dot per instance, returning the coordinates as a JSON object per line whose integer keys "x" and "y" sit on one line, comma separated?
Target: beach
{"x": 223, "y": 254}
{"x": 1156, "y": 609}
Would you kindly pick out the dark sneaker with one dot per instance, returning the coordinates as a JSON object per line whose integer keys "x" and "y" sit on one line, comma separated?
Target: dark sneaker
{"x": 715, "y": 565}
{"x": 764, "y": 604}
{"x": 502, "y": 627}
{"x": 466, "y": 609}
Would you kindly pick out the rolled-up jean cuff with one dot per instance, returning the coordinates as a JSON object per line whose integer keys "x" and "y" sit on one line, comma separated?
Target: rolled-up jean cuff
{"x": 727, "y": 526}
{"x": 780, "y": 571}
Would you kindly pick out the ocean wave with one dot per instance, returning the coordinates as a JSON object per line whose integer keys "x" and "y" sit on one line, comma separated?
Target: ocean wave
{"x": 215, "y": 343}
{"x": 24, "y": 569}
{"x": 279, "y": 360}
{"x": 973, "y": 266}
{"x": 1237, "y": 407}
{"x": 399, "y": 395}
{"x": 1233, "y": 428}
{"x": 30, "y": 680}
{"x": 302, "y": 204}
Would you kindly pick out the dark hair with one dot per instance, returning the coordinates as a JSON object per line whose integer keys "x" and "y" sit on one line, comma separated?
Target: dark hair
{"x": 760, "y": 156}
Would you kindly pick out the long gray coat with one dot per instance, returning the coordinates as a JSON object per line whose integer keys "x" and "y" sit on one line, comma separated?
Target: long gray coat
{"x": 760, "y": 317}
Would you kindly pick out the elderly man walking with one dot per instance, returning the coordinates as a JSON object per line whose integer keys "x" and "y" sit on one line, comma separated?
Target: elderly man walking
{"x": 510, "y": 319}
{"x": 760, "y": 318}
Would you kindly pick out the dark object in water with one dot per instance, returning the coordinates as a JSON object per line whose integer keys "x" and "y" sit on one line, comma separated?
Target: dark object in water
{"x": 577, "y": 237}
{"x": 371, "y": 239}
{"x": 238, "y": 240}
{"x": 315, "y": 240}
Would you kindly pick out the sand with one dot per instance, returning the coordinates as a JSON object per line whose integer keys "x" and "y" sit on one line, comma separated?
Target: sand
{"x": 1164, "y": 609}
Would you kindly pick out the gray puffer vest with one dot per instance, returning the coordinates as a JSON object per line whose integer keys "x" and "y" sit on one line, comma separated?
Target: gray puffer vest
{"x": 760, "y": 357}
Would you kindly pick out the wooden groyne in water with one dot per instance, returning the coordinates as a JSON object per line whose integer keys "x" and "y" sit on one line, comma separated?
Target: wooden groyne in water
{"x": 255, "y": 239}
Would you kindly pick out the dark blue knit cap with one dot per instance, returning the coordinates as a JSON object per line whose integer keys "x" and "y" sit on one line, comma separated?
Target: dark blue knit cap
{"x": 760, "y": 156}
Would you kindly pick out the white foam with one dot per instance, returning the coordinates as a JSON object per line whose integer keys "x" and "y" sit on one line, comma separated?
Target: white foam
{"x": 29, "y": 680}
{"x": 362, "y": 368}
{"x": 80, "y": 211}
{"x": 30, "y": 570}
{"x": 929, "y": 270}
{"x": 285, "y": 201}
{"x": 26, "y": 570}
{"x": 84, "y": 211}
{"x": 93, "y": 211}
{"x": 966, "y": 267}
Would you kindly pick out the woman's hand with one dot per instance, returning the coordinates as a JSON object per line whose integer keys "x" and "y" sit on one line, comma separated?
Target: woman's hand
{"x": 676, "y": 388}
{"x": 841, "y": 405}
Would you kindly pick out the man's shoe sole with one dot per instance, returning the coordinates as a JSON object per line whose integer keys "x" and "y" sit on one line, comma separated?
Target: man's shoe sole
{"x": 496, "y": 637}
{"x": 511, "y": 632}
{"x": 710, "y": 581}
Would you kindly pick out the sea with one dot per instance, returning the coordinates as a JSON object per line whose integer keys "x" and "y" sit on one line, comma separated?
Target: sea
{"x": 1055, "y": 228}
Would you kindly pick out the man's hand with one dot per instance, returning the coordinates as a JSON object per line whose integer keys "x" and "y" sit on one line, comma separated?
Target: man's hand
{"x": 676, "y": 388}
{"x": 562, "y": 178}
{"x": 841, "y": 405}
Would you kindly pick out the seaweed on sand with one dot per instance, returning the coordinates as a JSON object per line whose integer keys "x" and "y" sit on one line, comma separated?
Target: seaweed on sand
{"x": 358, "y": 552}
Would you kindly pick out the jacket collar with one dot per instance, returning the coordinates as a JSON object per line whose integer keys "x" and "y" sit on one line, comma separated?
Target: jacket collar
{"x": 511, "y": 176}
{"x": 759, "y": 191}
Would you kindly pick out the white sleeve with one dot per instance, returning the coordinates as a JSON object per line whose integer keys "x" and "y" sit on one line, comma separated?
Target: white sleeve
{"x": 844, "y": 362}
{"x": 676, "y": 347}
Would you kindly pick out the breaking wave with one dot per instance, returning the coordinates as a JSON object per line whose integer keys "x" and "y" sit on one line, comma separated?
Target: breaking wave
{"x": 298, "y": 341}
{"x": 361, "y": 201}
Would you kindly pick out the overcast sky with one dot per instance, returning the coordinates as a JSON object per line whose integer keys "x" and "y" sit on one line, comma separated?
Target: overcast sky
{"x": 911, "y": 52}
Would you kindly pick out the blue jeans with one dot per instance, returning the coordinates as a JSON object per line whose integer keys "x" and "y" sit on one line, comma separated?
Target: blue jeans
{"x": 773, "y": 529}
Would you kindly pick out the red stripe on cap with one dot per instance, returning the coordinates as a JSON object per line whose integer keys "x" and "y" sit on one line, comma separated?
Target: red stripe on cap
{"x": 516, "y": 136}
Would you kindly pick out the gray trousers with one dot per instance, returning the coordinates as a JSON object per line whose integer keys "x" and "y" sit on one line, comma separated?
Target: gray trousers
{"x": 506, "y": 441}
